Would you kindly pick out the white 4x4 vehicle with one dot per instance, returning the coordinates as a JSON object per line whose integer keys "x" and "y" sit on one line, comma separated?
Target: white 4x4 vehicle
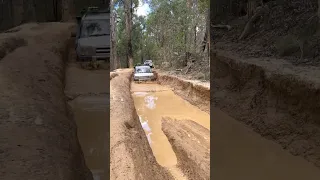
{"x": 93, "y": 35}
{"x": 143, "y": 73}
{"x": 148, "y": 63}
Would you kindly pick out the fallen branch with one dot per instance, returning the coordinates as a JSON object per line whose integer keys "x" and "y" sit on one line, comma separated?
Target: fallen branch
{"x": 188, "y": 68}
{"x": 262, "y": 12}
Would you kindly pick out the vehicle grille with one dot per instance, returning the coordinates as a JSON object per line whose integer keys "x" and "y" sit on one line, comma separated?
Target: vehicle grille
{"x": 102, "y": 50}
{"x": 144, "y": 78}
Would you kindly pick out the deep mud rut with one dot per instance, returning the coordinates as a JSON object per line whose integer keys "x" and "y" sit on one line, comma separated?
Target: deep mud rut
{"x": 240, "y": 153}
{"x": 138, "y": 112}
{"x": 153, "y": 103}
{"x": 38, "y": 136}
{"x": 88, "y": 96}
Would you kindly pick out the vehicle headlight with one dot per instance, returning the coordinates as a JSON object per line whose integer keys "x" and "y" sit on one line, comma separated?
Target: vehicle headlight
{"x": 87, "y": 51}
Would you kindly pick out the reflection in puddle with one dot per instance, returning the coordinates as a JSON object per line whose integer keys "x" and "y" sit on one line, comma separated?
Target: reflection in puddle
{"x": 153, "y": 102}
{"x": 90, "y": 116}
{"x": 145, "y": 125}
{"x": 141, "y": 94}
{"x": 146, "y": 128}
{"x": 149, "y": 100}
{"x": 149, "y": 138}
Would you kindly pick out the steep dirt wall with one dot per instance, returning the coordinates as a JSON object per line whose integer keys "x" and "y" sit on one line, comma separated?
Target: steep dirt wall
{"x": 191, "y": 144}
{"x": 130, "y": 153}
{"x": 279, "y": 101}
{"x": 195, "y": 93}
{"x": 38, "y": 138}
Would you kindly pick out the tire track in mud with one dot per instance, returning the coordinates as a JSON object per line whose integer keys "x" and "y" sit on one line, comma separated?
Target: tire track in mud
{"x": 152, "y": 102}
{"x": 88, "y": 97}
{"x": 191, "y": 143}
{"x": 131, "y": 155}
{"x": 276, "y": 99}
{"x": 38, "y": 137}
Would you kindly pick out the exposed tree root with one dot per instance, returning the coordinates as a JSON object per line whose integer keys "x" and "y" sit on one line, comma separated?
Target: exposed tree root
{"x": 261, "y": 13}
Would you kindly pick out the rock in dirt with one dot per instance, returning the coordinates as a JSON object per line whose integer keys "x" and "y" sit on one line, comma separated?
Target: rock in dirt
{"x": 191, "y": 143}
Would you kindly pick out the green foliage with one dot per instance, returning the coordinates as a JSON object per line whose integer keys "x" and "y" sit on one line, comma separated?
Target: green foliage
{"x": 204, "y": 5}
{"x": 168, "y": 31}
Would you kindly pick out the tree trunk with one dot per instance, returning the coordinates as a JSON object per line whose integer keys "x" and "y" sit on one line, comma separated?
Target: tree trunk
{"x": 128, "y": 17}
{"x": 252, "y": 6}
{"x": 114, "y": 59}
{"x": 29, "y": 11}
{"x": 68, "y": 10}
{"x": 205, "y": 38}
{"x": 319, "y": 8}
{"x": 196, "y": 12}
{"x": 185, "y": 48}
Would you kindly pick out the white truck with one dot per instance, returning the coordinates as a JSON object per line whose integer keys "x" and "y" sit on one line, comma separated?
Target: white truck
{"x": 93, "y": 35}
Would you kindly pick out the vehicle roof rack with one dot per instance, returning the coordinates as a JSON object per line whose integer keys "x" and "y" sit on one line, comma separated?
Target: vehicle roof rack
{"x": 96, "y": 10}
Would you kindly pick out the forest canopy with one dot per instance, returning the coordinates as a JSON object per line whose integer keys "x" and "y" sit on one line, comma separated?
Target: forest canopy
{"x": 173, "y": 32}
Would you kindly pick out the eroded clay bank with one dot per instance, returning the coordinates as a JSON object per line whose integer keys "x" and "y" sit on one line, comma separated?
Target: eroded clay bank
{"x": 276, "y": 99}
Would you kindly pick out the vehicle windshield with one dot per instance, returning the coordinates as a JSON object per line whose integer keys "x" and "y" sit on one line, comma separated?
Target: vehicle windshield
{"x": 92, "y": 28}
{"x": 143, "y": 70}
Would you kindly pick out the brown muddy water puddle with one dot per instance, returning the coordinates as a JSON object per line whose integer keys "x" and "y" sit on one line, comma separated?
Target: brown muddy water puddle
{"x": 90, "y": 113}
{"x": 152, "y": 102}
{"x": 240, "y": 153}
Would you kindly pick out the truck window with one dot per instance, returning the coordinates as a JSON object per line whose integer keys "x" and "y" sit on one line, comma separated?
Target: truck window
{"x": 95, "y": 28}
{"x": 143, "y": 70}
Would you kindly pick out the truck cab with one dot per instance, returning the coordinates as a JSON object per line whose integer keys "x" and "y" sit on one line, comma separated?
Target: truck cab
{"x": 93, "y": 35}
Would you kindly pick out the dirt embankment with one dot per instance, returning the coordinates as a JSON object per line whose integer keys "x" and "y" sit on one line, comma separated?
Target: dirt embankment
{"x": 113, "y": 74}
{"x": 38, "y": 136}
{"x": 197, "y": 93}
{"x": 130, "y": 153}
{"x": 279, "y": 33}
{"x": 279, "y": 101}
{"x": 191, "y": 143}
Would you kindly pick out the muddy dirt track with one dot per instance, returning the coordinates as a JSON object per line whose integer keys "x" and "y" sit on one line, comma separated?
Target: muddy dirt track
{"x": 38, "y": 138}
{"x": 133, "y": 152}
{"x": 87, "y": 91}
{"x": 279, "y": 101}
{"x": 54, "y": 112}
{"x": 275, "y": 100}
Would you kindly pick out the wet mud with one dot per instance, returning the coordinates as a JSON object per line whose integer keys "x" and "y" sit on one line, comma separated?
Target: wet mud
{"x": 196, "y": 93}
{"x": 191, "y": 144}
{"x": 276, "y": 99}
{"x": 130, "y": 154}
{"x": 153, "y": 102}
{"x": 88, "y": 97}
{"x": 38, "y": 136}
{"x": 91, "y": 114}
{"x": 240, "y": 153}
